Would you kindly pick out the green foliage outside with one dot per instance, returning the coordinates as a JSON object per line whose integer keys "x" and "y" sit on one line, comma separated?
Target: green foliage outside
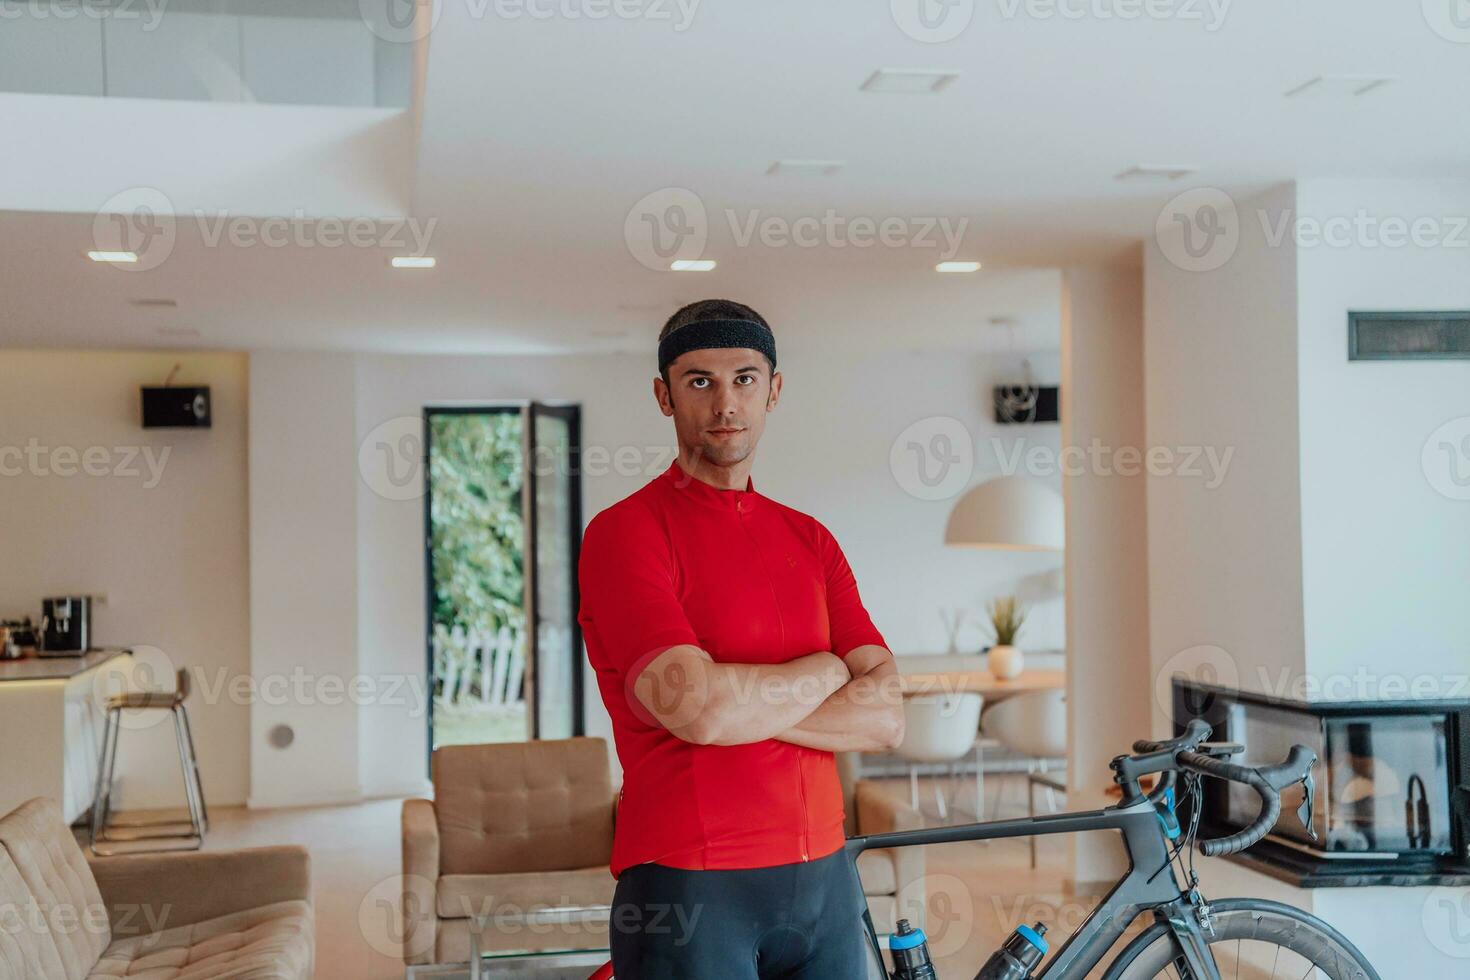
{"x": 475, "y": 521}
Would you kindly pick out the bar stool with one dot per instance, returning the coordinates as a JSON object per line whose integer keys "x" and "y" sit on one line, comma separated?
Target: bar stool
{"x": 140, "y": 834}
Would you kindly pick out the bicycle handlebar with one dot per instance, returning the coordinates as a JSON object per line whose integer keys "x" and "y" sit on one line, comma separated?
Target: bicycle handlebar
{"x": 1174, "y": 754}
{"x": 1267, "y": 781}
{"x": 1194, "y": 733}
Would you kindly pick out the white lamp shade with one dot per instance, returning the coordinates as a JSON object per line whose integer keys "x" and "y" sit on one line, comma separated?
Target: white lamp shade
{"x": 1008, "y": 512}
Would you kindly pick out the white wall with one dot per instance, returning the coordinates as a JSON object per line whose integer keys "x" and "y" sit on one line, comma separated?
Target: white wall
{"x": 1107, "y": 544}
{"x": 1220, "y": 367}
{"x": 1388, "y": 598}
{"x": 169, "y": 552}
{"x": 1328, "y": 552}
{"x": 303, "y": 578}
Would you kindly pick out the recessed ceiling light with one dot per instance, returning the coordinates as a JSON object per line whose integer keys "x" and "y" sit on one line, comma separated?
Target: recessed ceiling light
{"x": 804, "y": 168}
{"x": 1155, "y": 172}
{"x": 692, "y": 265}
{"x": 413, "y": 262}
{"x": 113, "y": 256}
{"x": 957, "y": 267}
{"x": 909, "y": 80}
{"x": 1349, "y": 86}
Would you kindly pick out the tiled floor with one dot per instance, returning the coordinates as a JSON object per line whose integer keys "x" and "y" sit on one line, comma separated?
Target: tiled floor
{"x": 977, "y": 892}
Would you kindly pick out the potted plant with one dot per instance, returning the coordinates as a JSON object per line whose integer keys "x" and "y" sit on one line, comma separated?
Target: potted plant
{"x": 1006, "y": 618}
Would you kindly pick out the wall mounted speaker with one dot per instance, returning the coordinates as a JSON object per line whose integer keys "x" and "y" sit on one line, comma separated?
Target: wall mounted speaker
{"x": 176, "y": 408}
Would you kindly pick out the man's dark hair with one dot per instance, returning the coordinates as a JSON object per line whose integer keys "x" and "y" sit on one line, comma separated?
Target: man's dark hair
{"x": 709, "y": 309}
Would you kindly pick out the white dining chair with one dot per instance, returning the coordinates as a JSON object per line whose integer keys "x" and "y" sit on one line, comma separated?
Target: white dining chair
{"x": 1033, "y": 726}
{"x": 938, "y": 728}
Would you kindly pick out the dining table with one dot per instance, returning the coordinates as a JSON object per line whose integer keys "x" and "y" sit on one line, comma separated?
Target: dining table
{"x": 950, "y": 673}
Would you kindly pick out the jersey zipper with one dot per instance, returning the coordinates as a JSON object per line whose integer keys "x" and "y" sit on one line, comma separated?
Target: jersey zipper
{"x": 806, "y": 817}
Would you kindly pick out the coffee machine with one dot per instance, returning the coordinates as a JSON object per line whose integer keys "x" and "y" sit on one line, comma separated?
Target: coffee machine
{"x": 66, "y": 626}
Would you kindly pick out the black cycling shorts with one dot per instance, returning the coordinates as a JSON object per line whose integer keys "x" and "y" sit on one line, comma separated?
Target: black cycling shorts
{"x": 798, "y": 921}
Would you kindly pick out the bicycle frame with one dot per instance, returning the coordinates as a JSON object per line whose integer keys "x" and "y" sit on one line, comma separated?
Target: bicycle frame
{"x": 1149, "y": 885}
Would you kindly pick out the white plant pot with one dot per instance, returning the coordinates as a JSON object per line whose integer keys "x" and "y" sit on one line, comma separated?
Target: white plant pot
{"x": 1006, "y": 662}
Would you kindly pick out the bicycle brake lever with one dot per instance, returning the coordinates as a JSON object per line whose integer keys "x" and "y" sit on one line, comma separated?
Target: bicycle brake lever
{"x": 1305, "y": 812}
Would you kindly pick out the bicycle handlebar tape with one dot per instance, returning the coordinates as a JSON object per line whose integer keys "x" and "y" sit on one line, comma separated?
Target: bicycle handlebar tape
{"x": 910, "y": 952}
{"x": 1018, "y": 957}
{"x": 1194, "y": 733}
{"x": 1267, "y": 784}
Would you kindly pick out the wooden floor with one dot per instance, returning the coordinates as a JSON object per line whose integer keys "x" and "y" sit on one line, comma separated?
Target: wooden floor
{"x": 977, "y": 892}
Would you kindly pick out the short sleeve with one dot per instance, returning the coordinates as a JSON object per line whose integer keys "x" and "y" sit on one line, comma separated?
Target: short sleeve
{"x": 851, "y": 627}
{"x": 629, "y": 607}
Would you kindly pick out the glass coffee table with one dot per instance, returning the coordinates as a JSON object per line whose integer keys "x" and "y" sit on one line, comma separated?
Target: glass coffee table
{"x": 540, "y": 965}
{"x": 546, "y": 963}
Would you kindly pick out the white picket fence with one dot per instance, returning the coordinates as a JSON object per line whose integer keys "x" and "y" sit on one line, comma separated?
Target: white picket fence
{"x": 478, "y": 666}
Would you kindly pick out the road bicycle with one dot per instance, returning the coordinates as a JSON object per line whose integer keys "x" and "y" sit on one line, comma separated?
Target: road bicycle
{"x": 1189, "y": 938}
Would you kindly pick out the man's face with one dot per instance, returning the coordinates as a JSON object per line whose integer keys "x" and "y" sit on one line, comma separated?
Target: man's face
{"x": 718, "y": 399}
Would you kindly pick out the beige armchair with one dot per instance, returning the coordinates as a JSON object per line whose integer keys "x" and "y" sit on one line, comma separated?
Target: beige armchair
{"x": 514, "y": 849}
{"x": 893, "y": 878}
{"x": 185, "y": 916}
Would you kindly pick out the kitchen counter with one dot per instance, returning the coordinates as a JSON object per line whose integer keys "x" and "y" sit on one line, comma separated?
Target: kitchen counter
{"x": 55, "y": 668}
{"x": 51, "y": 726}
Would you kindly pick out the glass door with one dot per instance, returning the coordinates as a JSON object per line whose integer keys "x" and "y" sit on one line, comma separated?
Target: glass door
{"x": 553, "y": 490}
{"x": 503, "y": 525}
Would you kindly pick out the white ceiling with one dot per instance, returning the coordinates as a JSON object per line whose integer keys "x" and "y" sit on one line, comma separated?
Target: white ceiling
{"x": 538, "y": 136}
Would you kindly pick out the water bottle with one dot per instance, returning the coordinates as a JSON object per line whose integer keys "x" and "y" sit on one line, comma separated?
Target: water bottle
{"x": 910, "y": 952}
{"x": 1018, "y": 957}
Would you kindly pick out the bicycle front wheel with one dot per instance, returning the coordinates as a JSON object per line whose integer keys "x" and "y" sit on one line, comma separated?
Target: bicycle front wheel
{"x": 1253, "y": 940}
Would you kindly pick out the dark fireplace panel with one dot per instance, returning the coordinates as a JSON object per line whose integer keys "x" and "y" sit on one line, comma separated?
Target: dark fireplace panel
{"x": 1393, "y": 785}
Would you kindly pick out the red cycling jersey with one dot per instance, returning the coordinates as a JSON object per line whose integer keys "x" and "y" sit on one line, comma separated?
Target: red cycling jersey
{"x": 747, "y": 580}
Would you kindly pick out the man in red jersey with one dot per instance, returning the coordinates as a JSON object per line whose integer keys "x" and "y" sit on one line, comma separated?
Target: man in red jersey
{"x": 735, "y": 657}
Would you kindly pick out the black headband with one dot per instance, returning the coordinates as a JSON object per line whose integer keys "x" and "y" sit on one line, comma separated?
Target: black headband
{"x": 703, "y": 334}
